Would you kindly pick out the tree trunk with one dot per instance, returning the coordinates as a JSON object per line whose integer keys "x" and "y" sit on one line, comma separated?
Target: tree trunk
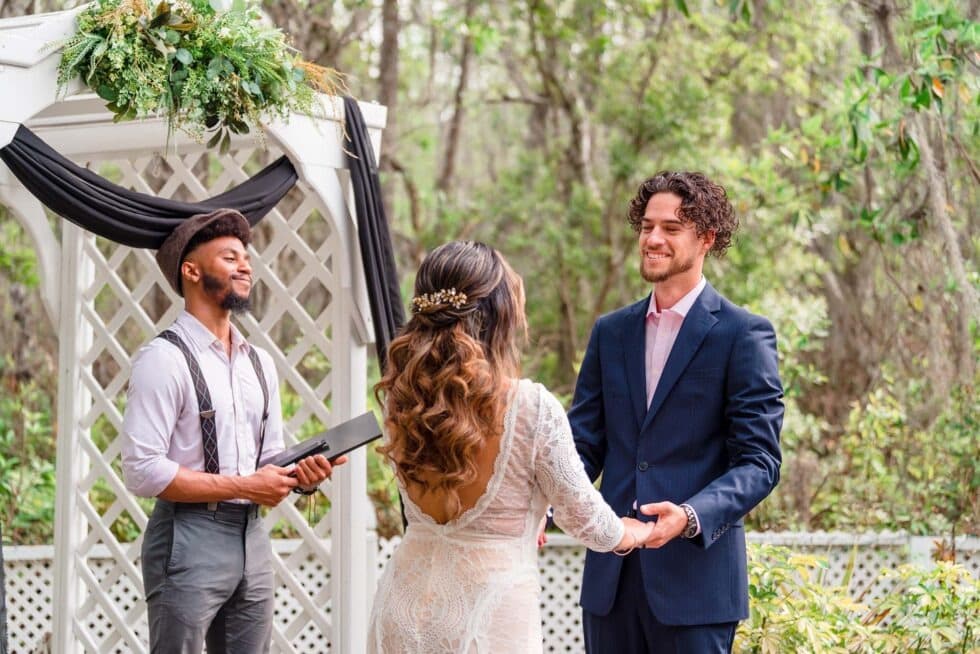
{"x": 455, "y": 124}
{"x": 388, "y": 95}
{"x": 943, "y": 224}
{"x": 938, "y": 200}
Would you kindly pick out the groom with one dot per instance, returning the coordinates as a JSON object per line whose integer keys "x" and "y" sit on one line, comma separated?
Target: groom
{"x": 678, "y": 406}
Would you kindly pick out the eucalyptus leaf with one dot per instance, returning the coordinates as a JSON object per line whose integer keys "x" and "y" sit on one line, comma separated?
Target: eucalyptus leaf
{"x": 214, "y": 140}
{"x": 107, "y": 93}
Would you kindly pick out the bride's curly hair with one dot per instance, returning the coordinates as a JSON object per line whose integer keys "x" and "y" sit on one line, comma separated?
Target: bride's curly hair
{"x": 444, "y": 384}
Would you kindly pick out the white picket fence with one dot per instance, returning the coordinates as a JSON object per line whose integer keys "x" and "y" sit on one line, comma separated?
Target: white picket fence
{"x": 29, "y": 573}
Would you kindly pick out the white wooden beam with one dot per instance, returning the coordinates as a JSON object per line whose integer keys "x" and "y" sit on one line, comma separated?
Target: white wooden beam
{"x": 74, "y": 338}
{"x": 29, "y": 212}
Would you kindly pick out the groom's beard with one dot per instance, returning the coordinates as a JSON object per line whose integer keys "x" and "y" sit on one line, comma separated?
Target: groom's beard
{"x": 677, "y": 266}
{"x": 225, "y": 295}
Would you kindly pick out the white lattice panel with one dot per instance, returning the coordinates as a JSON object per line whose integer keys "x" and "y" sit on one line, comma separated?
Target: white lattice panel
{"x": 863, "y": 557}
{"x": 29, "y": 585}
{"x": 970, "y": 558}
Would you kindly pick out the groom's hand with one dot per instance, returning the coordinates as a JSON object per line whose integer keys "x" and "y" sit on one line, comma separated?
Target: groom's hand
{"x": 671, "y": 522}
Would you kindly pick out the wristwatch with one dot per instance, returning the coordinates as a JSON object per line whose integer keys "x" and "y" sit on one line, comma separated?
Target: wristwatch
{"x": 692, "y": 522}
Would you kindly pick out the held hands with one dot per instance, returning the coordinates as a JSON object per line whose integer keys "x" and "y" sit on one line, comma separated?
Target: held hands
{"x": 636, "y": 534}
{"x": 671, "y": 522}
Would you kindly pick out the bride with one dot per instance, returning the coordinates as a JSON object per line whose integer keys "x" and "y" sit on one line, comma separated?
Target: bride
{"x": 478, "y": 455}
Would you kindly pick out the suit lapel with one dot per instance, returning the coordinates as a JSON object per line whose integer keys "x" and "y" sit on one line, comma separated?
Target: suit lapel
{"x": 634, "y": 359}
{"x": 698, "y": 322}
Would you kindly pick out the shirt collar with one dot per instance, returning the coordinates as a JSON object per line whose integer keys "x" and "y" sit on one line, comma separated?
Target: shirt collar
{"x": 683, "y": 305}
{"x": 202, "y": 337}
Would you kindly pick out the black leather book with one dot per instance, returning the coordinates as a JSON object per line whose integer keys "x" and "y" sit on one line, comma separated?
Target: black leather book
{"x": 332, "y": 443}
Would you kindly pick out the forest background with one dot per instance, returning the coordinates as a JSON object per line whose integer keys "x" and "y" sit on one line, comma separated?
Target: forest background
{"x": 847, "y": 134}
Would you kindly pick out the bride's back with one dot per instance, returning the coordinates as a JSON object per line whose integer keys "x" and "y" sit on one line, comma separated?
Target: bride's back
{"x": 500, "y": 502}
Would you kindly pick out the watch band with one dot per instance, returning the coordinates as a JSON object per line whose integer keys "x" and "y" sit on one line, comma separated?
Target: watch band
{"x": 692, "y": 522}
{"x": 304, "y": 491}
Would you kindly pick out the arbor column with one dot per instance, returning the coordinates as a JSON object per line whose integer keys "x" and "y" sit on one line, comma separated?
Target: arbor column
{"x": 74, "y": 338}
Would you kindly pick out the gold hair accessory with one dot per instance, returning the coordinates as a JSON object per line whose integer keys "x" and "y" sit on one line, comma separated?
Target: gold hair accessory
{"x": 427, "y": 301}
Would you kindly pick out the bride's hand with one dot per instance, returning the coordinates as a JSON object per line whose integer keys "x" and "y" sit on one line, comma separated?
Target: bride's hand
{"x": 542, "y": 536}
{"x": 635, "y": 535}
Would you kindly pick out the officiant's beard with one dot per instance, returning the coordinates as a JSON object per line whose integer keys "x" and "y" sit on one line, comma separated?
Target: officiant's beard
{"x": 225, "y": 295}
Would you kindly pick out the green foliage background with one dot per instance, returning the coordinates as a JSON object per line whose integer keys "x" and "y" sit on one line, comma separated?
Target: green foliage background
{"x": 847, "y": 134}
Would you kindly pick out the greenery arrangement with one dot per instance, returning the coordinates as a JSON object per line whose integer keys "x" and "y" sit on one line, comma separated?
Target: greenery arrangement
{"x": 211, "y": 72}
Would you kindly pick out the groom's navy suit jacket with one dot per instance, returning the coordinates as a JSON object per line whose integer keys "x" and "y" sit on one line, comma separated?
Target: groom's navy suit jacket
{"x": 710, "y": 438}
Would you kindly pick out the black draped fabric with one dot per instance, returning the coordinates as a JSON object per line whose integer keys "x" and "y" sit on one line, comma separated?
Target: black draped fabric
{"x": 144, "y": 221}
{"x": 119, "y": 214}
{"x": 377, "y": 254}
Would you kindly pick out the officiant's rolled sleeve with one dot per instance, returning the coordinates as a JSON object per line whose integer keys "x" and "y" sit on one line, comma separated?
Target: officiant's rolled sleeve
{"x": 151, "y": 415}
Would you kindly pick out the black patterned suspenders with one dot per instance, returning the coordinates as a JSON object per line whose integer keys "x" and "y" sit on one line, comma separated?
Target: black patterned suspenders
{"x": 206, "y": 408}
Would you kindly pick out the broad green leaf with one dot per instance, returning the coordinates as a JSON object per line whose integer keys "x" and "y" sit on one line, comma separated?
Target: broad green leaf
{"x": 905, "y": 92}
{"x": 107, "y": 93}
{"x": 923, "y": 98}
{"x": 216, "y": 139}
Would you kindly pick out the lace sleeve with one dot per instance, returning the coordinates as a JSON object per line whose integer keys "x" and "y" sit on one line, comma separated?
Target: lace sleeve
{"x": 560, "y": 474}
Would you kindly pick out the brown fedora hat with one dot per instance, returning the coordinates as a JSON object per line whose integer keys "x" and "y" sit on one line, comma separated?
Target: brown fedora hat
{"x": 174, "y": 250}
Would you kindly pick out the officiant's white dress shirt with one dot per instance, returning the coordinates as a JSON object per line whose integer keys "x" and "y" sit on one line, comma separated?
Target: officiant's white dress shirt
{"x": 162, "y": 425}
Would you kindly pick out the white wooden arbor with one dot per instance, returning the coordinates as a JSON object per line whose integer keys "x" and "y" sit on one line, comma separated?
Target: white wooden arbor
{"x": 311, "y": 313}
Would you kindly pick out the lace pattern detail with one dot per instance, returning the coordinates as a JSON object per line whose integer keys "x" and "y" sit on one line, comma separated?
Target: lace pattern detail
{"x": 471, "y": 585}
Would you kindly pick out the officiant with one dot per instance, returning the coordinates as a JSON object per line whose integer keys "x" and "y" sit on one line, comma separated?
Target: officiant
{"x": 203, "y": 413}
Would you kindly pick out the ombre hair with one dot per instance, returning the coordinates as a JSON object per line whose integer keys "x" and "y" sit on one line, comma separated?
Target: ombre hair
{"x": 444, "y": 387}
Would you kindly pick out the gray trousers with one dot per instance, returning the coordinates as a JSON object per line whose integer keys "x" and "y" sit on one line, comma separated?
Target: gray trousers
{"x": 208, "y": 579}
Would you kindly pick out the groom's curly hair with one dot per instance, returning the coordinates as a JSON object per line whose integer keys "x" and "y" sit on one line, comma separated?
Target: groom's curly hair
{"x": 445, "y": 383}
{"x": 703, "y": 203}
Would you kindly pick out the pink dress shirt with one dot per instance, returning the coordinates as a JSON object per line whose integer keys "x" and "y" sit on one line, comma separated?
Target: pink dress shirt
{"x": 162, "y": 425}
{"x": 661, "y": 332}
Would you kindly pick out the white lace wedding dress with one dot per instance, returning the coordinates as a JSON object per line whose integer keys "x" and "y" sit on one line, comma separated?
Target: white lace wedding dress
{"x": 471, "y": 585}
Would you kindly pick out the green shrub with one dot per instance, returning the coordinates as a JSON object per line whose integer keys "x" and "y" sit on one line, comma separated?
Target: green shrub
{"x": 794, "y": 609}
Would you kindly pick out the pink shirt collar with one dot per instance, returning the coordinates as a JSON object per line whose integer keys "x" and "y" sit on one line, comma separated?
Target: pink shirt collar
{"x": 682, "y": 306}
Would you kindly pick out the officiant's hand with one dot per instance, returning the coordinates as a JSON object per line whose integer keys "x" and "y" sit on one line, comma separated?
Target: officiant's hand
{"x": 313, "y": 470}
{"x": 671, "y": 522}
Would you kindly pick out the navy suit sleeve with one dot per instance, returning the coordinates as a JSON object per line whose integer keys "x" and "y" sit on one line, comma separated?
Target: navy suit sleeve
{"x": 586, "y": 416}
{"x": 753, "y": 419}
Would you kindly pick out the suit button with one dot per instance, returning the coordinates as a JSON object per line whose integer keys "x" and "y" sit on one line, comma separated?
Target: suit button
{"x": 643, "y": 465}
